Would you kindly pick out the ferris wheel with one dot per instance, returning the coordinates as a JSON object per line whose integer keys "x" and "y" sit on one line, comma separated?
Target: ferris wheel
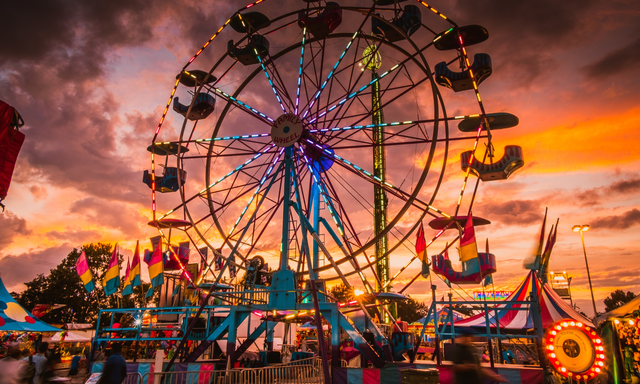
{"x": 318, "y": 138}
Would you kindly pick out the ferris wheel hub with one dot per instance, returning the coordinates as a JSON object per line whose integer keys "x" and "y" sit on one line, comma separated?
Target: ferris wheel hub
{"x": 286, "y": 130}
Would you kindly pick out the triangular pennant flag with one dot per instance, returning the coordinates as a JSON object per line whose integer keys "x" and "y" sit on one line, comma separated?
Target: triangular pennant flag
{"x": 128, "y": 289}
{"x": 111, "y": 279}
{"x": 468, "y": 246}
{"x": 533, "y": 261}
{"x": 82, "y": 267}
{"x": 176, "y": 290}
{"x": 156, "y": 268}
{"x": 421, "y": 245}
{"x": 149, "y": 293}
{"x": 135, "y": 267}
{"x": 488, "y": 280}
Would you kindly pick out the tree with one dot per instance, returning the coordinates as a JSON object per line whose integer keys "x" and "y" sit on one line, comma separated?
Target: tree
{"x": 63, "y": 286}
{"x": 617, "y": 299}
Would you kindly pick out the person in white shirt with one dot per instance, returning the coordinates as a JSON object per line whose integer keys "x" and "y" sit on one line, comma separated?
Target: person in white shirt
{"x": 40, "y": 359}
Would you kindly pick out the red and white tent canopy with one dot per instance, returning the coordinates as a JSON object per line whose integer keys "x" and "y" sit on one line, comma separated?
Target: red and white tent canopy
{"x": 552, "y": 309}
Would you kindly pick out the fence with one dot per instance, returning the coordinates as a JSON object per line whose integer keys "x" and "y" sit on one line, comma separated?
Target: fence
{"x": 307, "y": 371}
{"x": 133, "y": 378}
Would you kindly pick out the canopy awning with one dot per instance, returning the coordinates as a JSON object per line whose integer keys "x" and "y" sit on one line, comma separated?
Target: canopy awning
{"x": 552, "y": 309}
{"x": 14, "y": 318}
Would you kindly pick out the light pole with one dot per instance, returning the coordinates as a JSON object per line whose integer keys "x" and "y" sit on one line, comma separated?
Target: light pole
{"x": 582, "y": 229}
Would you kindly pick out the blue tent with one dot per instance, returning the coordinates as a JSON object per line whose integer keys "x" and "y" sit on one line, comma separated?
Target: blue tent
{"x": 14, "y": 318}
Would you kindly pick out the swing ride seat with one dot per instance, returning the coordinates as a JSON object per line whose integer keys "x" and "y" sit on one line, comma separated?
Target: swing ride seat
{"x": 324, "y": 23}
{"x": 408, "y": 23}
{"x": 11, "y": 140}
{"x": 203, "y": 105}
{"x": 496, "y": 121}
{"x": 511, "y": 161}
{"x": 442, "y": 222}
{"x": 249, "y": 22}
{"x": 194, "y": 77}
{"x": 169, "y": 180}
{"x": 166, "y": 149}
{"x": 471, "y": 35}
{"x": 473, "y": 271}
{"x": 247, "y": 55}
{"x": 169, "y": 223}
{"x": 461, "y": 81}
{"x": 401, "y": 343}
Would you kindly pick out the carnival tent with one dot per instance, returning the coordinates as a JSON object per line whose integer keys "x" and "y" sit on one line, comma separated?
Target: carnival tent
{"x": 552, "y": 309}
{"x": 623, "y": 311}
{"x": 14, "y": 318}
{"x": 441, "y": 315}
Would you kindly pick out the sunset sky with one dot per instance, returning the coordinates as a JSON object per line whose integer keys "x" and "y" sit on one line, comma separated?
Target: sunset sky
{"x": 91, "y": 80}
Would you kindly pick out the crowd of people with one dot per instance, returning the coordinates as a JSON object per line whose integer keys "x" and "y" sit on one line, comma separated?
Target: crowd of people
{"x": 20, "y": 366}
{"x": 629, "y": 337}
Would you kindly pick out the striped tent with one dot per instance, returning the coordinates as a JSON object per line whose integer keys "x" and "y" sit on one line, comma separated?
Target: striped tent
{"x": 552, "y": 309}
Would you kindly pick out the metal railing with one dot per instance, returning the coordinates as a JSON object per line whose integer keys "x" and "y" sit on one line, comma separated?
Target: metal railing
{"x": 307, "y": 371}
{"x": 133, "y": 378}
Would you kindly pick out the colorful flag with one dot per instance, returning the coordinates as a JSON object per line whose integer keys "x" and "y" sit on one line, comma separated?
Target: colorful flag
{"x": 111, "y": 279}
{"x": 533, "y": 261}
{"x": 156, "y": 268}
{"x": 82, "y": 266}
{"x": 468, "y": 246}
{"x": 421, "y": 245}
{"x": 128, "y": 289}
{"x": 546, "y": 256}
{"x": 488, "y": 280}
{"x": 42, "y": 309}
{"x": 156, "y": 242}
{"x": 135, "y": 268}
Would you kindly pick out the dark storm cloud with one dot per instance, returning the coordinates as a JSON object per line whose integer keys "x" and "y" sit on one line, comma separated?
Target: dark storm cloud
{"x": 511, "y": 212}
{"x": 626, "y": 220}
{"x": 593, "y": 196}
{"x": 620, "y": 60}
{"x": 26, "y": 266}
{"x": 54, "y": 59}
{"x": 522, "y": 34}
{"x": 11, "y": 226}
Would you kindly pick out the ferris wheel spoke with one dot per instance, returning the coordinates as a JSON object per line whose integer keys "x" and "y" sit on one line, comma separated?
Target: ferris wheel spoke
{"x": 366, "y": 175}
{"x": 361, "y": 90}
{"x": 235, "y": 171}
{"x": 337, "y": 64}
{"x": 244, "y": 106}
{"x": 264, "y": 178}
{"x": 299, "y": 85}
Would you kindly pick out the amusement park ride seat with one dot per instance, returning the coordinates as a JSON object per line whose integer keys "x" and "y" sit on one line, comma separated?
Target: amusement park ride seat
{"x": 247, "y": 55}
{"x": 471, "y": 35}
{"x": 442, "y": 222}
{"x": 461, "y": 81}
{"x": 401, "y": 343}
{"x": 496, "y": 121}
{"x": 408, "y": 22}
{"x": 249, "y": 22}
{"x": 473, "y": 271}
{"x": 166, "y": 149}
{"x": 511, "y": 161}
{"x": 203, "y": 106}
{"x": 169, "y": 180}
{"x": 324, "y": 23}
{"x": 194, "y": 77}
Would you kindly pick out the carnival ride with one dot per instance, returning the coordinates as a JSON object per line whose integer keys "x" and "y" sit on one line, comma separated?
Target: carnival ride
{"x": 300, "y": 154}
